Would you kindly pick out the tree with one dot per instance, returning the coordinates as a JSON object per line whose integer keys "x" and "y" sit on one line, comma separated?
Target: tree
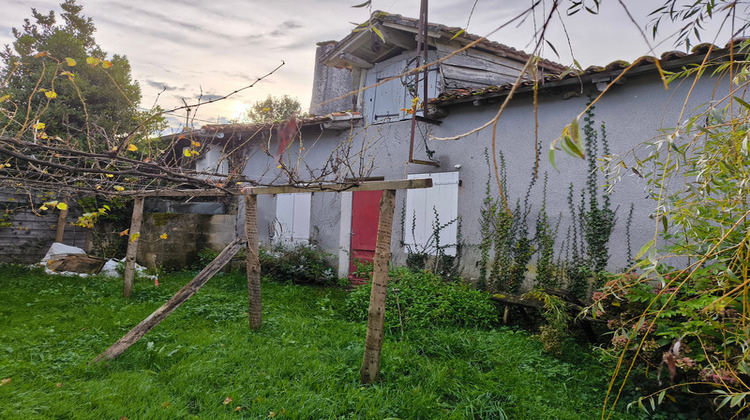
{"x": 271, "y": 109}
{"x": 58, "y": 75}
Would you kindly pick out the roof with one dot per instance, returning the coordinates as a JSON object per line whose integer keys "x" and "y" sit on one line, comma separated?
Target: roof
{"x": 644, "y": 64}
{"x": 336, "y": 120}
{"x": 363, "y": 48}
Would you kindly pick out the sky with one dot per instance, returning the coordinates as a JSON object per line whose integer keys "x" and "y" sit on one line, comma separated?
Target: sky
{"x": 190, "y": 49}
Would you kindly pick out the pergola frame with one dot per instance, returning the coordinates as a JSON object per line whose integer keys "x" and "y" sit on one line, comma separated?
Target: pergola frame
{"x": 376, "y": 312}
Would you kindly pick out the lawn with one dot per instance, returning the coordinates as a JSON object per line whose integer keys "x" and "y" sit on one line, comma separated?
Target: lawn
{"x": 204, "y": 362}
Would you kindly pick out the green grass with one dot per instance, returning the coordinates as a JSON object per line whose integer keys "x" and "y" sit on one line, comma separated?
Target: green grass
{"x": 303, "y": 363}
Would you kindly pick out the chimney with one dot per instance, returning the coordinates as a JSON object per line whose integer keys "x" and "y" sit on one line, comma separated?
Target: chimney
{"x": 329, "y": 83}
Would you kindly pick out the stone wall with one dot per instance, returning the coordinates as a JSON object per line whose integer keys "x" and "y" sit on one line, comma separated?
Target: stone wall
{"x": 187, "y": 235}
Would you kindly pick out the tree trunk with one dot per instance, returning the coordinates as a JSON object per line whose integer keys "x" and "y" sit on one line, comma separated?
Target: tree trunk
{"x": 178, "y": 299}
{"x": 376, "y": 313}
{"x": 253, "y": 262}
{"x": 135, "y": 232}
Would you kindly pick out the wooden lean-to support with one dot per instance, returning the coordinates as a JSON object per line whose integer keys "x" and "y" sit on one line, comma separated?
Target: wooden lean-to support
{"x": 376, "y": 314}
{"x": 178, "y": 299}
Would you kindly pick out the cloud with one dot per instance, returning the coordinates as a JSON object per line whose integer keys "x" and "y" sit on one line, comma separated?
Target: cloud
{"x": 159, "y": 85}
{"x": 208, "y": 97}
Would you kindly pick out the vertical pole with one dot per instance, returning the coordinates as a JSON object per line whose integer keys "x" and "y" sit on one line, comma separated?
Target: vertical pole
{"x": 61, "y": 221}
{"x": 135, "y": 232}
{"x": 253, "y": 262}
{"x": 376, "y": 314}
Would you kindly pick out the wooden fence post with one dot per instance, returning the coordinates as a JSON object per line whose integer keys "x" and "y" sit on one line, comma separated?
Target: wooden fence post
{"x": 253, "y": 262}
{"x": 135, "y": 229}
{"x": 376, "y": 313}
{"x": 62, "y": 220}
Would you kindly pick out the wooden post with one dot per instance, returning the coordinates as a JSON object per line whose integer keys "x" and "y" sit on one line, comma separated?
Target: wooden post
{"x": 178, "y": 299}
{"x": 61, "y": 221}
{"x": 253, "y": 262}
{"x": 376, "y": 314}
{"x": 135, "y": 229}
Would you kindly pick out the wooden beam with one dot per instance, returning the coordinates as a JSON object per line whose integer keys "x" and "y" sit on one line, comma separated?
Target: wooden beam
{"x": 178, "y": 299}
{"x": 398, "y": 38}
{"x": 356, "y": 61}
{"x": 405, "y": 184}
{"x": 182, "y": 193}
{"x": 253, "y": 263}
{"x": 133, "y": 237}
{"x": 376, "y": 313}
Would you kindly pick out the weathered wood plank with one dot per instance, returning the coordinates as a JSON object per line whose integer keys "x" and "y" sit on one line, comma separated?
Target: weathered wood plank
{"x": 404, "y": 184}
{"x": 178, "y": 299}
{"x": 133, "y": 238}
{"x": 376, "y": 313}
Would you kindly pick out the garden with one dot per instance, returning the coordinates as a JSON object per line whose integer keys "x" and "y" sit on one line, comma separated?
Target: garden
{"x": 443, "y": 357}
{"x": 548, "y": 329}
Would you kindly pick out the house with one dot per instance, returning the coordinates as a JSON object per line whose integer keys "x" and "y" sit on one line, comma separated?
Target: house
{"x": 368, "y": 136}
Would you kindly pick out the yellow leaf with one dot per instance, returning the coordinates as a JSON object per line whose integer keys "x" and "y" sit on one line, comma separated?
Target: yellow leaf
{"x": 134, "y": 237}
{"x": 194, "y": 152}
{"x": 40, "y": 125}
{"x": 43, "y": 207}
{"x": 163, "y": 236}
{"x": 52, "y": 204}
{"x": 118, "y": 188}
{"x": 238, "y": 408}
{"x": 93, "y": 61}
{"x": 62, "y": 206}
{"x": 124, "y": 232}
{"x": 71, "y": 62}
{"x": 4, "y": 98}
{"x": 132, "y": 147}
{"x": 106, "y": 64}
{"x": 51, "y": 94}
{"x": 5, "y": 381}
{"x": 109, "y": 175}
{"x": 186, "y": 153}
{"x": 271, "y": 414}
{"x": 228, "y": 400}
{"x": 195, "y": 143}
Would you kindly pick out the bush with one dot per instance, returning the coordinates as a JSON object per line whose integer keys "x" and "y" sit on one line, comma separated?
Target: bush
{"x": 423, "y": 299}
{"x": 297, "y": 264}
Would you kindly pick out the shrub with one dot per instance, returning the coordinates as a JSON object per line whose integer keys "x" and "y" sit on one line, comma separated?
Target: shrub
{"x": 297, "y": 264}
{"x": 421, "y": 299}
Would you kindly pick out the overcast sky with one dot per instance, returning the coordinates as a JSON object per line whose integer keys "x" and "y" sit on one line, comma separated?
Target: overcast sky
{"x": 183, "y": 47}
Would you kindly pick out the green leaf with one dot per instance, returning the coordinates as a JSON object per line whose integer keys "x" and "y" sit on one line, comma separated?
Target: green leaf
{"x": 552, "y": 158}
{"x": 644, "y": 248}
{"x": 457, "y": 34}
{"x": 378, "y": 33}
{"x": 745, "y": 104}
{"x": 737, "y": 399}
{"x": 552, "y": 47}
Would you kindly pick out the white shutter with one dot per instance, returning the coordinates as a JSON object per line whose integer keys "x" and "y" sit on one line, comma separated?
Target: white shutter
{"x": 421, "y": 205}
{"x": 293, "y": 217}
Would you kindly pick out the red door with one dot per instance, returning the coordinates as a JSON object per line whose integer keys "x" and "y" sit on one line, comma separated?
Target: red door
{"x": 365, "y": 215}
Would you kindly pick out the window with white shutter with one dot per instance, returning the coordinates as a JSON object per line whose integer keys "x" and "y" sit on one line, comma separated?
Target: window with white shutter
{"x": 421, "y": 207}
